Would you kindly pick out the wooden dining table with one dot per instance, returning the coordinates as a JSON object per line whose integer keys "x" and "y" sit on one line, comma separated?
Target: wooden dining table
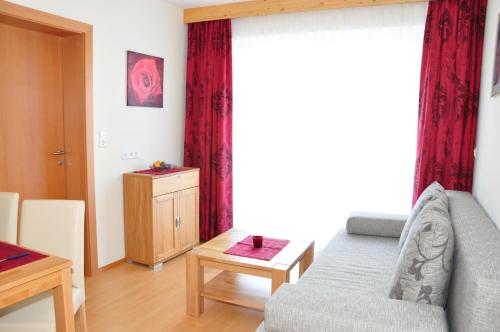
{"x": 50, "y": 273}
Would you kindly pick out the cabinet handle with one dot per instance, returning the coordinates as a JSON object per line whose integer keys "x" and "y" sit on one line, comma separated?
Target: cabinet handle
{"x": 177, "y": 222}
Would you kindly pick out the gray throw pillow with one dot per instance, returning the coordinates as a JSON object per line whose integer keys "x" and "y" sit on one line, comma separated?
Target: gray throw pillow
{"x": 432, "y": 192}
{"x": 424, "y": 265}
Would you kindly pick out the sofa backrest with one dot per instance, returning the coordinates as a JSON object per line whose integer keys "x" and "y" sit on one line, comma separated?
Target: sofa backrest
{"x": 474, "y": 292}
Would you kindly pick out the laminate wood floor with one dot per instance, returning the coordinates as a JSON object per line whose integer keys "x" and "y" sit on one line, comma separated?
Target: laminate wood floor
{"x": 130, "y": 297}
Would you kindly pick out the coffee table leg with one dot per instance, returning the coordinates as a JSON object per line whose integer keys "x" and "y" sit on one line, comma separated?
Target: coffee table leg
{"x": 306, "y": 260}
{"x": 281, "y": 274}
{"x": 194, "y": 285}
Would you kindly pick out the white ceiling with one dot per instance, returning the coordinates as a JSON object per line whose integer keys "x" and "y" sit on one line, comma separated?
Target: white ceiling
{"x": 200, "y": 3}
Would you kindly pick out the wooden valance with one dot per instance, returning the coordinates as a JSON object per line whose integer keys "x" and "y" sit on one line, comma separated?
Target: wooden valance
{"x": 270, "y": 7}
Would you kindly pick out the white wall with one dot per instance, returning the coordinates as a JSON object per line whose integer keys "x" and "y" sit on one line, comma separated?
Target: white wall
{"x": 152, "y": 27}
{"x": 487, "y": 168}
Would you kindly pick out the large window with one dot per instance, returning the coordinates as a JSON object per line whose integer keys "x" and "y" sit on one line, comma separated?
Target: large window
{"x": 325, "y": 117}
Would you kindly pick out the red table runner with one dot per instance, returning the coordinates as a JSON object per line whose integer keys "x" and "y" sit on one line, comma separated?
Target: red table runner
{"x": 245, "y": 248}
{"x": 7, "y": 250}
{"x": 162, "y": 172}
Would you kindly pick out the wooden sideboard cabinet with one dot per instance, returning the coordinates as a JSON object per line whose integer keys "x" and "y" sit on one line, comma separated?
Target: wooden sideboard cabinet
{"x": 161, "y": 215}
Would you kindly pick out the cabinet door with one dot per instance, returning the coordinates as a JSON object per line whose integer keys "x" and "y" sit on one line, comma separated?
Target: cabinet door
{"x": 187, "y": 232}
{"x": 163, "y": 232}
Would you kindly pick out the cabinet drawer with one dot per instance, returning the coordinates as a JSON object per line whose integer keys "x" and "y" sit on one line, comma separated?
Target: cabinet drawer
{"x": 169, "y": 184}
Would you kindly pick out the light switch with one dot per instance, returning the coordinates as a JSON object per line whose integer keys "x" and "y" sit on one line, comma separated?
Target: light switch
{"x": 103, "y": 138}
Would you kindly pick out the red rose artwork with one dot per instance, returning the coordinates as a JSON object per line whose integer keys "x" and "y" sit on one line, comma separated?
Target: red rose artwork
{"x": 144, "y": 80}
{"x": 496, "y": 73}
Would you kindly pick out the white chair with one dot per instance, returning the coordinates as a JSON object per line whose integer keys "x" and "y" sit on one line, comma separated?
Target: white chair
{"x": 9, "y": 204}
{"x": 54, "y": 227}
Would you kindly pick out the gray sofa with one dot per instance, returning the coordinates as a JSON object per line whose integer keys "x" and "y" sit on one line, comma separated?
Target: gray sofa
{"x": 346, "y": 288}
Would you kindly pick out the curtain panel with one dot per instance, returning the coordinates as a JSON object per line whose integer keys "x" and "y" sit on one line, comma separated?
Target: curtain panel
{"x": 449, "y": 94}
{"x": 208, "y": 133}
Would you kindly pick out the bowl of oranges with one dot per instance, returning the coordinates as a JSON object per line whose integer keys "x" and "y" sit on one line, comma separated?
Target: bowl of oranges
{"x": 160, "y": 165}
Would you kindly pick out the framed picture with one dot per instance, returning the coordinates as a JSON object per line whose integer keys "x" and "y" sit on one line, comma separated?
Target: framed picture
{"x": 144, "y": 80}
{"x": 496, "y": 72}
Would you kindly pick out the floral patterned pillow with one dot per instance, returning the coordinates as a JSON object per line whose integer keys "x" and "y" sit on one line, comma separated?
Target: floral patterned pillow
{"x": 424, "y": 265}
{"x": 434, "y": 191}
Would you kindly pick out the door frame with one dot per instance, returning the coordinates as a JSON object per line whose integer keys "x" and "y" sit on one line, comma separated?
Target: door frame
{"x": 41, "y": 21}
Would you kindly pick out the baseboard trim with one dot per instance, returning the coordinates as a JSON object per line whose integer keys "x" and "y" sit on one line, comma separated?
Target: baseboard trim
{"x": 111, "y": 265}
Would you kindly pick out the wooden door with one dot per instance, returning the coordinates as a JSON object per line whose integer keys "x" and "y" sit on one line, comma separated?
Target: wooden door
{"x": 163, "y": 226}
{"x": 31, "y": 37}
{"x": 31, "y": 113}
{"x": 187, "y": 212}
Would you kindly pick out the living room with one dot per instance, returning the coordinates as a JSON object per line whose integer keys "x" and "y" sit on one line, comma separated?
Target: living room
{"x": 280, "y": 165}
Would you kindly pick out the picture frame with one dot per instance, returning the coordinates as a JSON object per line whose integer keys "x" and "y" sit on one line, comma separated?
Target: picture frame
{"x": 496, "y": 65}
{"x": 144, "y": 80}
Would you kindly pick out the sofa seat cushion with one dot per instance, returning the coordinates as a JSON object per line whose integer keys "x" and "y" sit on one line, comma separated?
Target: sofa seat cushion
{"x": 354, "y": 262}
{"x": 295, "y": 308}
{"x": 36, "y": 313}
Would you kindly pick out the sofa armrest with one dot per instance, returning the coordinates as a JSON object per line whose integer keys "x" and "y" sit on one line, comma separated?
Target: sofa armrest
{"x": 298, "y": 309}
{"x": 375, "y": 224}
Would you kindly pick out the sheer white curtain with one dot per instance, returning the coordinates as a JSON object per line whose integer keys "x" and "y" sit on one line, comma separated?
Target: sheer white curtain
{"x": 325, "y": 117}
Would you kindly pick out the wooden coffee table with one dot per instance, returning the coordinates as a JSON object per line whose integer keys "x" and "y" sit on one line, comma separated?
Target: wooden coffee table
{"x": 233, "y": 284}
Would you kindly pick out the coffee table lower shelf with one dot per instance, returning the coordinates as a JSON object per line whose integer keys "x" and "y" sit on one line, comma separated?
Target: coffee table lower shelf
{"x": 238, "y": 289}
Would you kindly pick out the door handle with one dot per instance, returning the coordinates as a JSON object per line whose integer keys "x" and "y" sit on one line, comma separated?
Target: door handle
{"x": 58, "y": 152}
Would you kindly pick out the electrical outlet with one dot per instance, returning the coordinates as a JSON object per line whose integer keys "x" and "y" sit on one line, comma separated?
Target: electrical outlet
{"x": 128, "y": 154}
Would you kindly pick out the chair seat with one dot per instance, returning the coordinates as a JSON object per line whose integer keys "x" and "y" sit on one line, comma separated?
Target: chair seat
{"x": 355, "y": 262}
{"x": 36, "y": 313}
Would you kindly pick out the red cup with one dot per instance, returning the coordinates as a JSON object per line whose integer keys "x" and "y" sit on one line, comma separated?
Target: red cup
{"x": 257, "y": 241}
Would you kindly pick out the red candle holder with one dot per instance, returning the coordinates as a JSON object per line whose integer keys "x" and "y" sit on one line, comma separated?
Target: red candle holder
{"x": 257, "y": 241}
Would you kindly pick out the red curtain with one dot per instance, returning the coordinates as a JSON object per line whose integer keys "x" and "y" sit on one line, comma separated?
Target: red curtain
{"x": 449, "y": 94}
{"x": 208, "y": 137}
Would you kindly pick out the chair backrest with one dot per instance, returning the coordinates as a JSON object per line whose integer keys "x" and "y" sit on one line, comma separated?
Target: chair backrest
{"x": 55, "y": 227}
{"x": 474, "y": 292}
{"x": 9, "y": 205}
